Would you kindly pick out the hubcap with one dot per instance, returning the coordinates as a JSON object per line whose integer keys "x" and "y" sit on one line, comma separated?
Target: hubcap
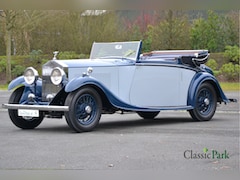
{"x": 88, "y": 109}
{"x": 206, "y": 101}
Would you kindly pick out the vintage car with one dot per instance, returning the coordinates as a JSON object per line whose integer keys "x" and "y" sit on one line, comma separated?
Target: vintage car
{"x": 117, "y": 77}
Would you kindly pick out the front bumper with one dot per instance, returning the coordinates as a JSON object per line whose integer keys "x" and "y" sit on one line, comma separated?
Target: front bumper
{"x": 36, "y": 107}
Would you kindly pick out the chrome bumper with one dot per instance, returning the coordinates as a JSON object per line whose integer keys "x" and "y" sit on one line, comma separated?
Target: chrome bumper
{"x": 36, "y": 107}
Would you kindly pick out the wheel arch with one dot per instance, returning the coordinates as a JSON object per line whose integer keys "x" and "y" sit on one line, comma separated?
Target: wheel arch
{"x": 106, "y": 104}
{"x": 84, "y": 82}
{"x": 109, "y": 100}
{"x": 197, "y": 81}
{"x": 35, "y": 88}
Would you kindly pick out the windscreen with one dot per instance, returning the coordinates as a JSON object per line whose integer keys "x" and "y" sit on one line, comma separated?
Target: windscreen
{"x": 128, "y": 50}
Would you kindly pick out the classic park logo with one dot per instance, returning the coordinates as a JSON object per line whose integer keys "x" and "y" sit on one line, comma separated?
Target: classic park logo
{"x": 206, "y": 154}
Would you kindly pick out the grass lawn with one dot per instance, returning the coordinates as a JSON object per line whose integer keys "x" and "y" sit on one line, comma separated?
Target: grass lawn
{"x": 3, "y": 86}
{"x": 230, "y": 86}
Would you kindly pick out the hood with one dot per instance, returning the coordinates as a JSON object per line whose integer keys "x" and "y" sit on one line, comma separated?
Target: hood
{"x": 75, "y": 63}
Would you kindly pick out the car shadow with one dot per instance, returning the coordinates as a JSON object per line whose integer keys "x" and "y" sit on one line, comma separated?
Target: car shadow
{"x": 123, "y": 124}
{"x": 48, "y": 129}
{"x": 117, "y": 125}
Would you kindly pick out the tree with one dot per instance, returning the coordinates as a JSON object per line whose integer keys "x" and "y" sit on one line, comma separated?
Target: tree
{"x": 27, "y": 21}
{"x": 170, "y": 33}
{"x": 17, "y": 25}
{"x": 213, "y": 33}
{"x": 9, "y": 22}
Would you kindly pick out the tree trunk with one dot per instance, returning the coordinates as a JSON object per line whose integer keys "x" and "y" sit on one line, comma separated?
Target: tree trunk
{"x": 8, "y": 54}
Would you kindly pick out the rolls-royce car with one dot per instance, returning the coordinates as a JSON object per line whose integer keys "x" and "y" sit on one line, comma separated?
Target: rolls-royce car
{"x": 116, "y": 77}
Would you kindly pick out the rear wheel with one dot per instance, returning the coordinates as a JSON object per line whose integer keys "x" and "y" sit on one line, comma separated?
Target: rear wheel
{"x": 19, "y": 121}
{"x": 206, "y": 103}
{"x": 148, "y": 115}
{"x": 85, "y": 109}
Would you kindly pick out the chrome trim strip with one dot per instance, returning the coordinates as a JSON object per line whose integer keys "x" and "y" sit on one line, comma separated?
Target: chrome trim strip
{"x": 37, "y": 107}
{"x": 168, "y": 65}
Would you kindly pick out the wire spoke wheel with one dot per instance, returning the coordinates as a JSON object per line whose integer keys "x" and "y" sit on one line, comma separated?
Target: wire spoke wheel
{"x": 85, "y": 109}
{"x": 203, "y": 103}
{"x": 25, "y": 122}
{"x": 206, "y": 103}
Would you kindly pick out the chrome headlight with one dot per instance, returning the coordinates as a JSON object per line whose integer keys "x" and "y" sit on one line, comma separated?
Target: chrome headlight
{"x": 30, "y": 75}
{"x": 57, "y": 76}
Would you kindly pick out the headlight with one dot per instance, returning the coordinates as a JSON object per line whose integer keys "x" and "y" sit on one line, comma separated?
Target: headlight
{"x": 57, "y": 76}
{"x": 30, "y": 75}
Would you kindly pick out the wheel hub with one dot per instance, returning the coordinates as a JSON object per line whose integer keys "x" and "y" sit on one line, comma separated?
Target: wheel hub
{"x": 206, "y": 101}
{"x": 88, "y": 109}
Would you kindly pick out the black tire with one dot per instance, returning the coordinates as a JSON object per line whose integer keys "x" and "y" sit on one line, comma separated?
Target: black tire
{"x": 206, "y": 103}
{"x": 148, "y": 115}
{"x": 85, "y": 108}
{"x": 21, "y": 122}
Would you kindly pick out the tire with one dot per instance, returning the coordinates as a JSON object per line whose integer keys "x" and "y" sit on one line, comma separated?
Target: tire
{"x": 148, "y": 115}
{"x": 206, "y": 103}
{"x": 21, "y": 122}
{"x": 85, "y": 108}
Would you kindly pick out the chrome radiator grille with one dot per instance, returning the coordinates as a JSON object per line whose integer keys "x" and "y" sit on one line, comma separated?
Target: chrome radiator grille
{"x": 49, "y": 88}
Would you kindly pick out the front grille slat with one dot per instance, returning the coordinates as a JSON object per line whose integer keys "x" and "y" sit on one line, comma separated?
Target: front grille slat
{"x": 49, "y": 88}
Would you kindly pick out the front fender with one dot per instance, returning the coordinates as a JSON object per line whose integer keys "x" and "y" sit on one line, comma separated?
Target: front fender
{"x": 16, "y": 82}
{"x": 35, "y": 89}
{"x": 197, "y": 80}
{"x": 78, "y": 82}
{"x": 20, "y": 81}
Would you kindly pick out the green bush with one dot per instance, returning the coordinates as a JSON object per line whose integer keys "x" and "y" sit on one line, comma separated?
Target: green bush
{"x": 35, "y": 55}
{"x": 18, "y": 70}
{"x": 230, "y": 71}
{"x": 71, "y": 55}
{"x": 83, "y": 56}
{"x": 212, "y": 64}
{"x": 232, "y": 53}
{"x": 67, "y": 55}
{"x": 2, "y": 64}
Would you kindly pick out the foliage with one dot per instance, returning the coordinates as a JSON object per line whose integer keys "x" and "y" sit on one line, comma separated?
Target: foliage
{"x": 231, "y": 71}
{"x": 67, "y": 55}
{"x": 213, "y": 33}
{"x": 212, "y": 64}
{"x": 2, "y": 64}
{"x": 232, "y": 53}
{"x": 18, "y": 70}
{"x": 65, "y": 30}
{"x": 171, "y": 33}
{"x": 35, "y": 55}
{"x": 73, "y": 32}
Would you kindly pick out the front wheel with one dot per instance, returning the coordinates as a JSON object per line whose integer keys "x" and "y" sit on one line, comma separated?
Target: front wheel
{"x": 19, "y": 121}
{"x": 85, "y": 108}
{"x": 206, "y": 103}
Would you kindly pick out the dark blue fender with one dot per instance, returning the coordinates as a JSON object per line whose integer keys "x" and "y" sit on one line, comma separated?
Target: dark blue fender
{"x": 197, "y": 80}
{"x": 37, "y": 90}
{"x": 79, "y": 82}
{"x": 16, "y": 82}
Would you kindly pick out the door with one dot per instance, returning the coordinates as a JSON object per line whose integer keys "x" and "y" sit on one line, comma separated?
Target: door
{"x": 160, "y": 86}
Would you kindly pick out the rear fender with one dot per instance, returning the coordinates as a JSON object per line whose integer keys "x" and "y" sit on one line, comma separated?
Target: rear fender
{"x": 200, "y": 78}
